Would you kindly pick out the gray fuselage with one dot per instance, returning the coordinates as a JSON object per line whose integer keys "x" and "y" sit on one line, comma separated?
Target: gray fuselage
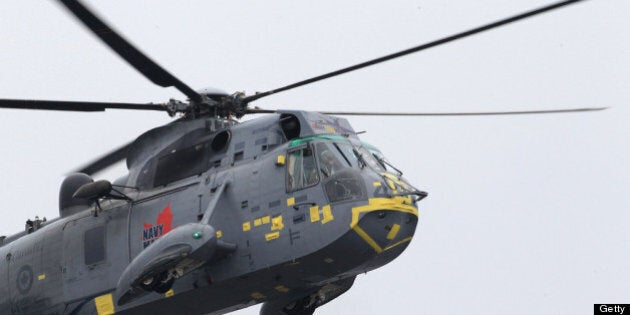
{"x": 296, "y": 230}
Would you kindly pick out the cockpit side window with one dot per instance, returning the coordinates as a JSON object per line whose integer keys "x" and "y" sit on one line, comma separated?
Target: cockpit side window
{"x": 301, "y": 169}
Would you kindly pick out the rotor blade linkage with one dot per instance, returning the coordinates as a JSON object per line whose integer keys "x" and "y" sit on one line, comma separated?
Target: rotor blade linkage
{"x": 75, "y": 106}
{"x": 127, "y": 51}
{"x": 412, "y": 50}
{"x": 525, "y": 112}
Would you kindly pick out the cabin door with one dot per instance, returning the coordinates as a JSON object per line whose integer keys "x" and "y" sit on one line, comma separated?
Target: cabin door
{"x": 156, "y": 216}
{"x": 95, "y": 253}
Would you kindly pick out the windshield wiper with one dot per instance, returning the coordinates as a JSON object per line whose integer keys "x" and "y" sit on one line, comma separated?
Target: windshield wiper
{"x": 383, "y": 161}
{"x": 421, "y": 194}
{"x": 362, "y": 162}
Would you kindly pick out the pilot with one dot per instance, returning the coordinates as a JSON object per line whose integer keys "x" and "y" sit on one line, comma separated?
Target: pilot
{"x": 328, "y": 163}
{"x": 310, "y": 170}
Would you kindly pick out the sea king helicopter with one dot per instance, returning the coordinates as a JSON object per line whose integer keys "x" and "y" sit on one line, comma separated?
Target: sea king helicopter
{"x": 214, "y": 214}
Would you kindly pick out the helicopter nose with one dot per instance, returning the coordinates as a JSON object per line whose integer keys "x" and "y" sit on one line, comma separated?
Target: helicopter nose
{"x": 385, "y": 223}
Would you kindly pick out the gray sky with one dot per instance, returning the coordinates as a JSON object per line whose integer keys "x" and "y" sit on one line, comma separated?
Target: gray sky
{"x": 526, "y": 214}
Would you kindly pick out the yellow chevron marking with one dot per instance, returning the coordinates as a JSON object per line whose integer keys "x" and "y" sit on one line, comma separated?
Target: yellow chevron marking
{"x": 265, "y": 219}
{"x": 247, "y": 226}
{"x": 104, "y": 304}
{"x": 314, "y": 213}
{"x": 257, "y": 295}
{"x": 327, "y": 212}
{"x": 272, "y": 236}
{"x": 380, "y": 204}
{"x": 282, "y": 289}
{"x": 169, "y": 293}
{"x": 280, "y": 160}
{"x": 276, "y": 223}
{"x": 393, "y": 232}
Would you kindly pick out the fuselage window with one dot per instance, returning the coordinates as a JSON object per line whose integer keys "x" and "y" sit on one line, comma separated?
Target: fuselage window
{"x": 94, "y": 245}
{"x": 181, "y": 163}
{"x": 301, "y": 169}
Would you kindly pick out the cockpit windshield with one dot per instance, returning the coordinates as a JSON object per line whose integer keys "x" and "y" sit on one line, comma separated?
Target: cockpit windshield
{"x": 382, "y": 160}
{"x": 339, "y": 165}
{"x": 347, "y": 152}
{"x": 316, "y": 161}
{"x": 330, "y": 159}
{"x": 367, "y": 157}
{"x": 332, "y": 156}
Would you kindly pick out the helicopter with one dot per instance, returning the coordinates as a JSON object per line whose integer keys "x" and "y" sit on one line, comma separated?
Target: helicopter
{"x": 128, "y": 194}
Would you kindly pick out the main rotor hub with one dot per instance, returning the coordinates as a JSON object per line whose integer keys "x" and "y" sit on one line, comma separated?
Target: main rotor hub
{"x": 214, "y": 102}
{"x": 213, "y": 93}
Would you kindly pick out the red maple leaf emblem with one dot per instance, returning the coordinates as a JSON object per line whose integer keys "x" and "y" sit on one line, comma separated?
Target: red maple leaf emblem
{"x": 162, "y": 226}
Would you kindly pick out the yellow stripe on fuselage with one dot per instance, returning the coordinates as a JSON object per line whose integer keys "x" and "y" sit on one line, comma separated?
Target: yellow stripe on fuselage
{"x": 381, "y": 204}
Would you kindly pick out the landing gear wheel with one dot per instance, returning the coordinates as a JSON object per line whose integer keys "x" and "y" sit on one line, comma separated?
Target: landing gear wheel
{"x": 160, "y": 283}
{"x": 149, "y": 284}
{"x": 304, "y": 306}
{"x": 165, "y": 283}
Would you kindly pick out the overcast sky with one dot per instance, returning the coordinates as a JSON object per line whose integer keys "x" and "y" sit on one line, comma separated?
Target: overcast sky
{"x": 525, "y": 214}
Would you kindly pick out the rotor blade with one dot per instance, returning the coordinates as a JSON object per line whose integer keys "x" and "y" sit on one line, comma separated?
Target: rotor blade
{"x": 105, "y": 161}
{"x": 527, "y": 112}
{"x": 127, "y": 51}
{"x": 259, "y": 111}
{"x": 415, "y": 49}
{"x": 112, "y": 157}
{"x": 75, "y": 106}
